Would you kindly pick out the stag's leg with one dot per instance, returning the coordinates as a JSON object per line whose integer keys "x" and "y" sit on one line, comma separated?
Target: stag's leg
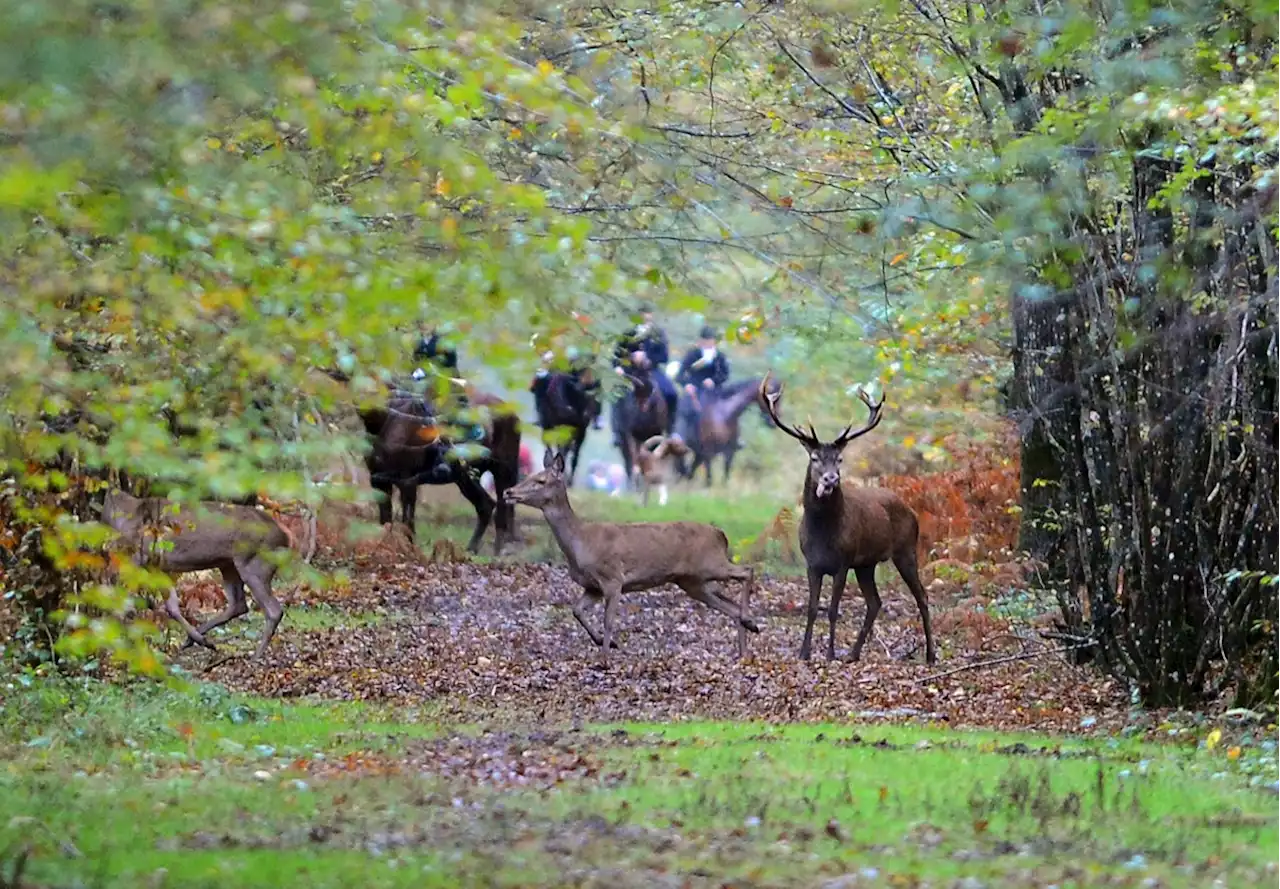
{"x": 707, "y": 466}
{"x": 171, "y": 608}
{"x": 479, "y": 498}
{"x": 237, "y": 606}
{"x": 815, "y": 591}
{"x": 867, "y": 582}
{"x": 662, "y": 493}
{"x": 257, "y": 573}
{"x": 905, "y": 562}
{"x": 838, "y": 580}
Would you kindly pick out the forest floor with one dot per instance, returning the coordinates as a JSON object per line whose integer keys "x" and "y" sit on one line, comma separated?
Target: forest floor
{"x": 448, "y": 723}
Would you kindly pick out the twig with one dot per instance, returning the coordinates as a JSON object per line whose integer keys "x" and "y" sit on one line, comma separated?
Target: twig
{"x": 1000, "y": 660}
{"x": 218, "y": 661}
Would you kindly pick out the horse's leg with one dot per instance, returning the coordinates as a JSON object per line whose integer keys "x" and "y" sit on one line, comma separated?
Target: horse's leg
{"x": 409, "y": 507}
{"x": 579, "y": 437}
{"x": 624, "y": 445}
{"x": 505, "y": 475}
{"x": 384, "y": 502}
{"x": 479, "y": 498}
{"x": 728, "y": 461}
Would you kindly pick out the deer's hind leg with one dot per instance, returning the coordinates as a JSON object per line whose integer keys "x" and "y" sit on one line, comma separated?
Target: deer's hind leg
{"x": 708, "y": 593}
{"x": 173, "y": 609}
{"x": 906, "y": 565}
{"x": 237, "y": 606}
{"x": 257, "y": 573}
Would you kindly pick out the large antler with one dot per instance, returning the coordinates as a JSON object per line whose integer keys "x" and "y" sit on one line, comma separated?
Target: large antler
{"x": 876, "y": 413}
{"x": 770, "y": 400}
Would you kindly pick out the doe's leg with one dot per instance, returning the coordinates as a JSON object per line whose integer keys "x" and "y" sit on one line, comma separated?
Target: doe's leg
{"x": 612, "y": 598}
{"x": 257, "y": 573}
{"x": 237, "y": 606}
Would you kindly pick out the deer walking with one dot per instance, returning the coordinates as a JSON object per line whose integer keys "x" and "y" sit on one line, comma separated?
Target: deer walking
{"x": 607, "y": 559}
{"x": 848, "y": 528}
{"x": 234, "y": 539}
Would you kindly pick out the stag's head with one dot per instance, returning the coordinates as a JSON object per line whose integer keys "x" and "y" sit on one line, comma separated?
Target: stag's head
{"x": 825, "y": 458}
{"x": 542, "y": 488}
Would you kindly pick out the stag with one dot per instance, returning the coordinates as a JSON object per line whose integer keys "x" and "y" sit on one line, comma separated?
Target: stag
{"x": 850, "y": 528}
{"x": 607, "y": 559}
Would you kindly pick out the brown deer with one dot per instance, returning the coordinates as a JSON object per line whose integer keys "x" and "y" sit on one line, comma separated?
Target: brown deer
{"x": 846, "y": 527}
{"x": 234, "y": 539}
{"x": 607, "y": 559}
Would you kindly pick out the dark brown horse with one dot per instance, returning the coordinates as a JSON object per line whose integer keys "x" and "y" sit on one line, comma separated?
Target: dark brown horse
{"x": 716, "y": 431}
{"x": 410, "y": 446}
{"x": 564, "y": 404}
{"x": 638, "y": 415}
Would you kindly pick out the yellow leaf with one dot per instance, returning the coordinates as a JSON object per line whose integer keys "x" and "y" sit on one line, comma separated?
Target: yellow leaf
{"x": 909, "y": 441}
{"x": 214, "y": 144}
{"x": 897, "y": 259}
{"x": 442, "y": 186}
{"x": 1212, "y": 740}
{"x": 449, "y": 229}
{"x": 545, "y": 68}
{"x": 1233, "y": 753}
{"x": 376, "y": 157}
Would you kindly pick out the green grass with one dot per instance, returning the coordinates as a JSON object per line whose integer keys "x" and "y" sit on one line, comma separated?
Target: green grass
{"x": 146, "y": 785}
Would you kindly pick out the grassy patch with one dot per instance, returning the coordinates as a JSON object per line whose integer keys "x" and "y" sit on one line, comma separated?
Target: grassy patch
{"x": 124, "y": 787}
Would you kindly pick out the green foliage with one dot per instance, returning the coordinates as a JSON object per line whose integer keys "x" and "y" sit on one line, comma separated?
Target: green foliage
{"x": 204, "y": 202}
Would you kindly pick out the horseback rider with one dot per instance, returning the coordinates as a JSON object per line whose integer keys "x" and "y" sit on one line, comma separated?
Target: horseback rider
{"x": 439, "y": 352}
{"x": 434, "y": 350}
{"x": 703, "y": 370}
{"x": 645, "y": 346}
{"x": 583, "y": 384}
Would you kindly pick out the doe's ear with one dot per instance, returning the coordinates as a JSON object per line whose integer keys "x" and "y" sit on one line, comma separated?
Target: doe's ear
{"x": 557, "y": 462}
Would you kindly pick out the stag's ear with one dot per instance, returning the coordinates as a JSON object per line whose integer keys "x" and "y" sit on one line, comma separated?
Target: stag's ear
{"x": 557, "y": 463}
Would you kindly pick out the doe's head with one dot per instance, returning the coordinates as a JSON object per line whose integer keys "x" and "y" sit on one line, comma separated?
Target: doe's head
{"x": 825, "y": 458}
{"x": 543, "y": 487}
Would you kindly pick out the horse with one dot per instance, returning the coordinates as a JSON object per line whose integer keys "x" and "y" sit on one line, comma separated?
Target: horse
{"x": 556, "y": 410}
{"x": 638, "y": 415}
{"x": 409, "y": 448}
{"x": 716, "y": 431}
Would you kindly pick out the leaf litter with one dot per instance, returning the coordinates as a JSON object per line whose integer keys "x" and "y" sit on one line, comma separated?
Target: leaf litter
{"x": 498, "y": 643}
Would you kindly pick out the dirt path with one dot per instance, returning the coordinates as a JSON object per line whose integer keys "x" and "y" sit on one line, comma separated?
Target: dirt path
{"x": 498, "y": 643}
